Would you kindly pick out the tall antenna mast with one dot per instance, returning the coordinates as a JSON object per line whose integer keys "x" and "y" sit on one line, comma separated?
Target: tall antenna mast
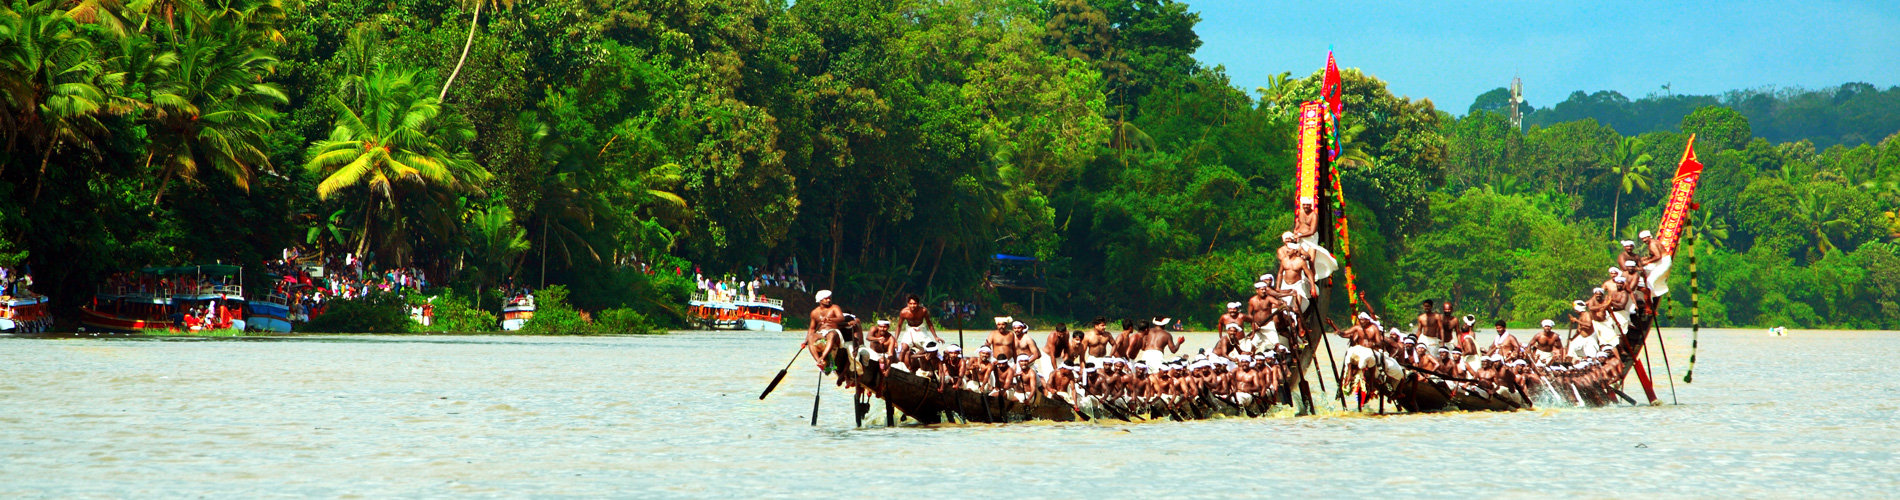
{"x": 1517, "y": 96}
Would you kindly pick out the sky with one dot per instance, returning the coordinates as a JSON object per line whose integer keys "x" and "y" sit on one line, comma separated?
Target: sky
{"x": 1452, "y": 51}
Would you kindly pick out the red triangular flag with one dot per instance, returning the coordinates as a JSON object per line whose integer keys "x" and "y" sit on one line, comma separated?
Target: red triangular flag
{"x": 1690, "y": 165}
{"x": 1329, "y": 89}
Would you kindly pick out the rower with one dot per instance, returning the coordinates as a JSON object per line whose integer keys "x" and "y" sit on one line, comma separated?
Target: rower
{"x": 1628, "y": 258}
{"x": 1098, "y": 340}
{"x": 1157, "y": 339}
{"x": 1546, "y": 343}
{"x": 878, "y": 341}
{"x": 915, "y": 319}
{"x": 1059, "y": 348}
{"x": 1295, "y": 274}
{"x": 822, "y": 335}
{"x": 1463, "y": 338}
{"x": 1026, "y": 350}
{"x": 1001, "y": 342}
{"x": 1429, "y": 328}
{"x": 1504, "y": 343}
{"x": 1230, "y": 329}
{"x": 1263, "y": 312}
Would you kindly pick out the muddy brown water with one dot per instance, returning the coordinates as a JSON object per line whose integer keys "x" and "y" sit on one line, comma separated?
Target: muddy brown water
{"x": 1812, "y": 414}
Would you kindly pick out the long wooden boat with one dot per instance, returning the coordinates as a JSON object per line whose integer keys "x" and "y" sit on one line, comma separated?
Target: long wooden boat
{"x": 927, "y": 401}
{"x": 1422, "y": 391}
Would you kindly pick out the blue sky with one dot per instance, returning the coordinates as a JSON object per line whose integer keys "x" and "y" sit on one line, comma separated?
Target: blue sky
{"x": 1452, "y": 51}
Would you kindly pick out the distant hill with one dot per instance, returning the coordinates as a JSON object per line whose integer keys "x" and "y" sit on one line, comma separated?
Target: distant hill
{"x": 1851, "y": 114}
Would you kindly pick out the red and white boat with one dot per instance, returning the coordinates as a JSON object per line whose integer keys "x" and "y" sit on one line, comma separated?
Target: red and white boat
{"x": 25, "y": 313}
{"x": 168, "y": 299}
{"x": 516, "y": 312}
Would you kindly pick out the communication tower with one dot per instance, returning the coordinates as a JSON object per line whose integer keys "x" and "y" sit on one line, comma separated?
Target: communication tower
{"x": 1517, "y": 96}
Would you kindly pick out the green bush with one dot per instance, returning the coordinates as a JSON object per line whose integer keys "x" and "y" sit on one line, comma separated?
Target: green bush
{"x": 553, "y": 315}
{"x": 375, "y": 313}
{"x": 625, "y": 321}
{"x": 456, "y": 314}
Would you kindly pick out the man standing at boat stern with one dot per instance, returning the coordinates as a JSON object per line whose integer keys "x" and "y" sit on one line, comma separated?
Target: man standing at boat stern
{"x": 915, "y": 319}
{"x": 822, "y": 336}
{"x": 1656, "y": 264}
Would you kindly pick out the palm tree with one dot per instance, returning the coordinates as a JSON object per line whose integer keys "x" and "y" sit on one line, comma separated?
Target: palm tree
{"x": 1709, "y": 228}
{"x": 398, "y": 139}
{"x": 472, "y": 23}
{"x": 212, "y": 111}
{"x": 1630, "y": 168}
{"x": 496, "y": 241}
{"x": 50, "y": 79}
{"x": 1818, "y": 216}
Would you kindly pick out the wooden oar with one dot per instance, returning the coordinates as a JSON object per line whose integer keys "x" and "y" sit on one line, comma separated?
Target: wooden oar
{"x": 1667, "y": 372}
{"x": 781, "y": 373}
{"x": 816, "y": 392}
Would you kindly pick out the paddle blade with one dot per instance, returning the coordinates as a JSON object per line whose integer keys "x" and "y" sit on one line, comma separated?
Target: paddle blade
{"x": 773, "y": 385}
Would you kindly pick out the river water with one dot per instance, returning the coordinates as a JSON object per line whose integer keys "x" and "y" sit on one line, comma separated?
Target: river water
{"x": 1808, "y": 415}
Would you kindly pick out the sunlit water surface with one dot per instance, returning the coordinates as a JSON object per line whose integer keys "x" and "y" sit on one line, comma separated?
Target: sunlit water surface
{"x": 1808, "y": 415}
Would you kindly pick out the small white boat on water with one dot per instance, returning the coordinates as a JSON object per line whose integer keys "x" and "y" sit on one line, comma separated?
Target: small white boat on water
{"x": 25, "y": 314}
{"x": 516, "y": 312}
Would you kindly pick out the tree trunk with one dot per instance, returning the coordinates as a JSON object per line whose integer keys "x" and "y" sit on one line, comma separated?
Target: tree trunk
{"x": 933, "y": 266}
{"x": 40, "y": 181}
{"x": 837, "y": 240}
{"x": 544, "y": 251}
{"x": 1615, "y": 210}
{"x": 472, "y": 23}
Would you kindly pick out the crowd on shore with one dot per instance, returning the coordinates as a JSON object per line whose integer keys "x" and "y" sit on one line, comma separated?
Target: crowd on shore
{"x": 751, "y": 285}
{"x": 16, "y": 282}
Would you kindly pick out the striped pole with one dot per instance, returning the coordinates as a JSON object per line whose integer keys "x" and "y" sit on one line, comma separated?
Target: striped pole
{"x": 1695, "y": 311}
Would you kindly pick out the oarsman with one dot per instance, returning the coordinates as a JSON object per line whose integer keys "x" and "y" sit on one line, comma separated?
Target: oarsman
{"x": 1633, "y": 277}
{"x": 1097, "y": 342}
{"x": 1001, "y": 342}
{"x": 1448, "y": 323}
{"x": 1584, "y": 343}
{"x": 822, "y": 335}
{"x": 1263, "y": 314}
{"x": 1131, "y": 340}
{"x": 1504, "y": 343}
{"x": 1628, "y": 257}
{"x": 916, "y": 322}
{"x": 1546, "y": 344}
{"x": 1463, "y": 338}
{"x": 1306, "y": 231}
{"x": 1057, "y": 349}
{"x": 878, "y": 341}
{"x": 1655, "y": 265}
{"x": 1231, "y": 328}
{"x": 1156, "y": 339}
{"x": 1026, "y": 347}
{"x": 1429, "y": 329}
{"x": 1295, "y": 271}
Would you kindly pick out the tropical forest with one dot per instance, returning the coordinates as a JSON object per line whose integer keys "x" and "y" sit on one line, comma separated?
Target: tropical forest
{"x": 621, "y": 150}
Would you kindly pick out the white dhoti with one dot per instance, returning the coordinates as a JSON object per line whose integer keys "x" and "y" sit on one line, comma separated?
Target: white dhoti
{"x": 1243, "y": 398}
{"x": 914, "y": 337}
{"x": 1376, "y": 365}
{"x": 1302, "y": 292}
{"x": 1263, "y": 339}
{"x": 1584, "y": 347}
{"x": 1430, "y": 342}
{"x": 1151, "y": 357}
{"x": 1044, "y": 367}
{"x": 1543, "y": 357}
{"x": 1323, "y": 262}
{"x": 1659, "y": 275}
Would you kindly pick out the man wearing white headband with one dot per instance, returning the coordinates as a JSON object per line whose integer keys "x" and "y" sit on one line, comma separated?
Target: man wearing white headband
{"x": 1264, "y": 317}
{"x": 1156, "y": 340}
{"x": 1002, "y": 342}
{"x": 1656, "y": 265}
{"x": 1296, "y": 273}
{"x": 822, "y": 335}
{"x": 1025, "y": 346}
{"x": 1306, "y": 232}
{"x": 1231, "y": 330}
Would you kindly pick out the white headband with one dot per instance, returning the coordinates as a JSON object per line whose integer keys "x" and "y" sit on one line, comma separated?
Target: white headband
{"x": 1644, "y": 234}
{"x": 1549, "y": 323}
{"x": 822, "y": 295}
{"x": 1233, "y": 305}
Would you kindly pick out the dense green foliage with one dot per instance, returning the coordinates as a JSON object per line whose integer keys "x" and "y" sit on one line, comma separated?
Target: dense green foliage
{"x": 373, "y": 313}
{"x": 889, "y": 146}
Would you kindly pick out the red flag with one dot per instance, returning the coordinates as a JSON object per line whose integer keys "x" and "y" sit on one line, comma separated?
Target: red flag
{"x": 1681, "y": 197}
{"x": 1329, "y": 89}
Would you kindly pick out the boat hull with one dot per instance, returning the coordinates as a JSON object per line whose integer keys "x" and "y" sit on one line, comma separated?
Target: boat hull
{"x": 267, "y": 324}
{"x": 94, "y": 320}
{"x": 25, "y": 315}
{"x": 761, "y": 325}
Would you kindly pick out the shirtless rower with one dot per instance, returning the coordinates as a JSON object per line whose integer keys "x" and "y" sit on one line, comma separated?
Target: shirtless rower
{"x": 1546, "y": 344}
{"x": 1025, "y": 346}
{"x": 822, "y": 336}
{"x": 1505, "y": 343}
{"x": 1060, "y": 346}
{"x": 1231, "y": 327}
{"x": 915, "y": 322}
{"x": 1098, "y": 340}
{"x": 1262, "y": 310}
{"x": 1001, "y": 342}
{"x": 1296, "y": 273}
{"x": 1463, "y": 338}
{"x": 1628, "y": 257}
{"x": 1131, "y": 340}
{"x": 1448, "y": 322}
{"x": 879, "y": 341}
{"x": 1429, "y": 329}
{"x": 1156, "y": 339}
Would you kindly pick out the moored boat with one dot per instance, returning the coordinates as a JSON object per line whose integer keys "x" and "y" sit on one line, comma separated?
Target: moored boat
{"x": 759, "y": 315}
{"x": 157, "y": 299}
{"x": 25, "y": 313}
{"x": 516, "y": 312}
